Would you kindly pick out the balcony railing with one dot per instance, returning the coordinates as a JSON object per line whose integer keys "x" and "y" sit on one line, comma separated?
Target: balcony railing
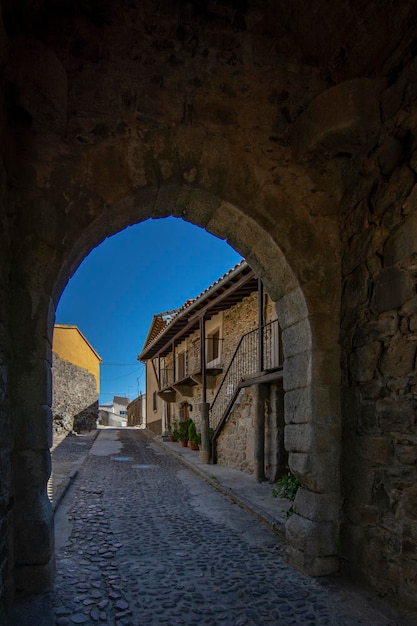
{"x": 187, "y": 364}
{"x": 247, "y": 360}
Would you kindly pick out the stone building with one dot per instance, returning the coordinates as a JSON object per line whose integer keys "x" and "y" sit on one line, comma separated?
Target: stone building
{"x": 228, "y": 369}
{"x": 75, "y": 380}
{"x": 136, "y": 411}
{"x": 290, "y": 131}
{"x": 115, "y": 413}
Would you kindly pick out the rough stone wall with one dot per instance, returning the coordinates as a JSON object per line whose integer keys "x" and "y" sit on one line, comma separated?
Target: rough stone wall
{"x": 235, "y": 444}
{"x": 237, "y": 321}
{"x": 6, "y": 559}
{"x": 379, "y": 339}
{"x": 122, "y": 111}
{"x": 5, "y": 429}
{"x": 75, "y": 401}
{"x": 135, "y": 412}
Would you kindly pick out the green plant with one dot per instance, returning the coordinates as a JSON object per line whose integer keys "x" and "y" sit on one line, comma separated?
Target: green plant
{"x": 192, "y": 432}
{"x": 286, "y": 487}
{"x": 183, "y": 429}
{"x": 174, "y": 430}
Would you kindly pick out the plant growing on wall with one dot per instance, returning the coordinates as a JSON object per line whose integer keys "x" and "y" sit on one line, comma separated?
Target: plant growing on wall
{"x": 286, "y": 487}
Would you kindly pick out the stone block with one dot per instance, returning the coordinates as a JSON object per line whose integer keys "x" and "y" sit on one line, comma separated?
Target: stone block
{"x": 318, "y": 507}
{"x": 371, "y": 390}
{"x": 35, "y": 578}
{"x": 356, "y": 287}
{"x": 407, "y": 504}
{"x": 312, "y": 566}
{"x": 392, "y": 194}
{"x": 5, "y": 473}
{"x": 374, "y": 450}
{"x": 362, "y": 514}
{"x": 344, "y": 118}
{"x": 326, "y": 367}
{"x": 309, "y": 438}
{"x": 410, "y": 202}
{"x": 31, "y": 471}
{"x": 297, "y": 371}
{"x": 317, "y": 472}
{"x": 393, "y": 287}
{"x": 298, "y": 408}
{"x": 34, "y": 384}
{"x": 297, "y": 338}
{"x": 399, "y": 358}
{"x": 396, "y": 414}
{"x": 326, "y": 404}
{"x": 325, "y": 330}
{"x": 390, "y": 156}
{"x": 312, "y": 537}
{"x": 363, "y": 362}
{"x": 34, "y": 433}
{"x": 385, "y": 325}
{"x": 299, "y": 438}
{"x": 291, "y": 308}
{"x": 34, "y": 530}
{"x": 405, "y": 449}
{"x": 402, "y": 241}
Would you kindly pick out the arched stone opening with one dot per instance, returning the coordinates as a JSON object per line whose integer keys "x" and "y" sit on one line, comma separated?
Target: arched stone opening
{"x": 311, "y": 394}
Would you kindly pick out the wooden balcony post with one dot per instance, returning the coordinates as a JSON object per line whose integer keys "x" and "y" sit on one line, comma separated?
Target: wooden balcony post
{"x": 205, "y": 452}
{"x": 203, "y": 356}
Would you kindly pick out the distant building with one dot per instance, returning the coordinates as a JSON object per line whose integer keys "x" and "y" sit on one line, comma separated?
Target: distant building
{"x": 222, "y": 348}
{"x": 136, "y": 411}
{"x": 76, "y": 380}
{"x": 114, "y": 414}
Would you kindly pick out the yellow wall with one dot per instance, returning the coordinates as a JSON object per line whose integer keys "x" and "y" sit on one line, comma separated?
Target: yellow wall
{"x": 70, "y": 345}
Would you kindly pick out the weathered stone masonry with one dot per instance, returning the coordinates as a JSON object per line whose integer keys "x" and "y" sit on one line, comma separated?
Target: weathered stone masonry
{"x": 379, "y": 323}
{"x": 75, "y": 401}
{"x": 287, "y": 130}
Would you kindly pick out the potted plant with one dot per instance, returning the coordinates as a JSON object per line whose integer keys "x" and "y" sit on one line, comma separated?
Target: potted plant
{"x": 193, "y": 436}
{"x": 183, "y": 432}
{"x": 174, "y": 434}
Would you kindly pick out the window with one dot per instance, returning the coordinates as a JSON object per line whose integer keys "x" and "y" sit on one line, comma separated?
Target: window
{"x": 213, "y": 346}
{"x": 155, "y": 401}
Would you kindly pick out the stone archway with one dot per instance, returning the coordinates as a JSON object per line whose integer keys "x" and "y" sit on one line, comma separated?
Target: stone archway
{"x": 104, "y": 136}
{"x": 311, "y": 394}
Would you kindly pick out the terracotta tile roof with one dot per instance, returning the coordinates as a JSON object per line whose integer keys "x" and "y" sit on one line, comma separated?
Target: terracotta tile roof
{"x": 162, "y": 321}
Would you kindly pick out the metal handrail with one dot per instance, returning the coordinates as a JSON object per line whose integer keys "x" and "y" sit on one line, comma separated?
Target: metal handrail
{"x": 245, "y": 362}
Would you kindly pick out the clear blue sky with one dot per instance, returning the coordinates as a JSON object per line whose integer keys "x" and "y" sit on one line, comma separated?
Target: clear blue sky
{"x": 149, "y": 268}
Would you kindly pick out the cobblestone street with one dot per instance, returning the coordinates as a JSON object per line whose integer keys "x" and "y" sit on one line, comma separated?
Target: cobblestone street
{"x": 142, "y": 540}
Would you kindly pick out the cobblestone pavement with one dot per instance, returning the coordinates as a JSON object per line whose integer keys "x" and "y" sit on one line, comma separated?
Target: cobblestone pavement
{"x": 150, "y": 543}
